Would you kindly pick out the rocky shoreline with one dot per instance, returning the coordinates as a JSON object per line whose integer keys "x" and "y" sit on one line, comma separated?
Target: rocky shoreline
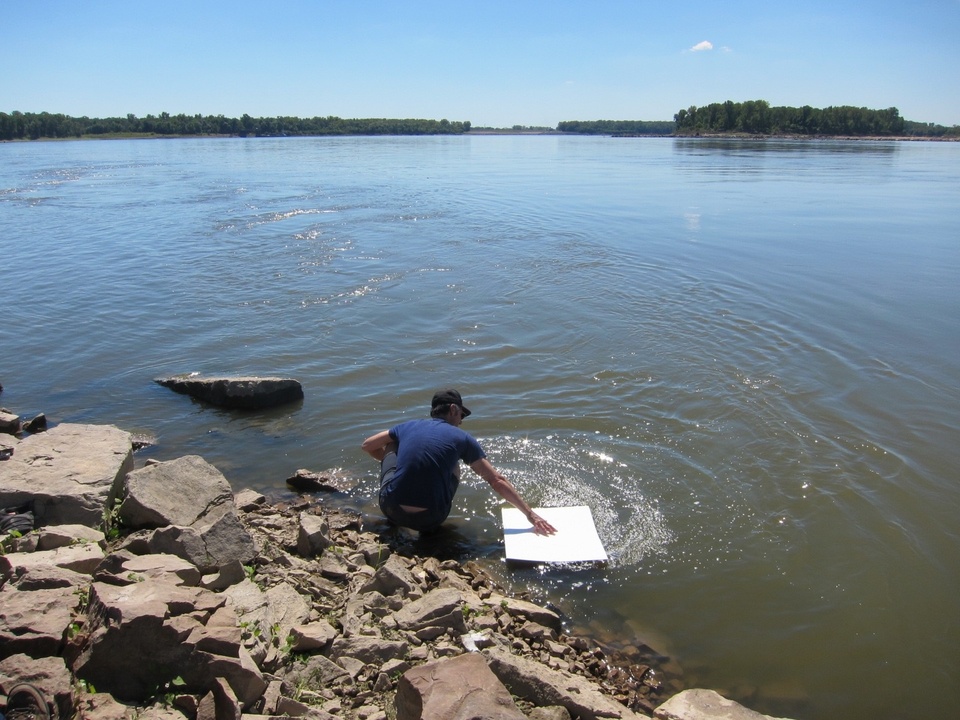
{"x": 158, "y": 592}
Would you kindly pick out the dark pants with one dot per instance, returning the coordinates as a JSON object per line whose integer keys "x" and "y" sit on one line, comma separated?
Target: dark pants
{"x": 424, "y": 520}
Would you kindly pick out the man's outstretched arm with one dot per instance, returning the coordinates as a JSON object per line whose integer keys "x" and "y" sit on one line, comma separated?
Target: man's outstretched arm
{"x": 505, "y": 489}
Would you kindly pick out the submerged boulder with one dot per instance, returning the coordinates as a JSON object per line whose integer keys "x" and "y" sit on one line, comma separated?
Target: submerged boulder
{"x": 242, "y": 393}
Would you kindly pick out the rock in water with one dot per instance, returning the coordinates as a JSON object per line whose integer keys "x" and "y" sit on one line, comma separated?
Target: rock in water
{"x": 243, "y": 393}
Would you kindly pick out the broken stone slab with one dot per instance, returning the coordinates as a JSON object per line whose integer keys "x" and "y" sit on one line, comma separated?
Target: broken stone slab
{"x": 80, "y": 558}
{"x": 543, "y": 686}
{"x": 316, "y": 673}
{"x": 312, "y": 636}
{"x": 48, "y": 577}
{"x": 219, "y": 704}
{"x": 368, "y": 649}
{"x": 137, "y": 635}
{"x": 35, "y": 622}
{"x": 70, "y": 473}
{"x": 266, "y": 615}
{"x": 225, "y": 538}
{"x": 460, "y": 687}
{"x": 438, "y": 608}
{"x": 217, "y": 640}
{"x": 160, "y": 566}
{"x": 517, "y": 608}
{"x": 242, "y": 674}
{"x": 698, "y": 704}
{"x": 56, "y": 536}
{"x": 242, "y": 393}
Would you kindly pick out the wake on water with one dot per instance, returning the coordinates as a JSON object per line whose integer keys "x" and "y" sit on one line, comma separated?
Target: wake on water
{"x": 577, "y": 470}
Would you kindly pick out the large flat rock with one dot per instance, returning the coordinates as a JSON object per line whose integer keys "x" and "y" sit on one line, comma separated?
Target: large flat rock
{"x": 697, "y": 704}
{"x": 243, "y": 393}
{"x": 70, "y": 473}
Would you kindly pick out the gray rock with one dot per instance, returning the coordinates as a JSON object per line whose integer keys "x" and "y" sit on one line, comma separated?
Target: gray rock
{"x": 704, "y": 705}
{"x": 245, "y": 393}
{"x": 217, "y": 640}
{"x": 317, "y": 673}
{"x": 536, "y": 631}
{"x": 10, "y": 424}
{"x": 70, "y": 473}
{"x": 249, "y": 500}
{"x": 177, "y": 492}
{"x": 312, "y": 636}
{"x": 313, "y": 536}
{"x": 392, "y": 577}
{"x": 225, "y": 538}
{"x": 37, "y": 424}
{"x": 517, "y": 608}
{"x": 286, "y": 609}
{"x": 184, "y": 542}
{"x": 368, "y": 649}
{"x": 244, "y": 677}
{"x": 192, "y": 504}
{"x": 542, "y": 686}
{"x": 553, "y": 712}
{"x": 229, "y": 574}
{"x": 438, "y": 608}
{"x": 458, "y": 688}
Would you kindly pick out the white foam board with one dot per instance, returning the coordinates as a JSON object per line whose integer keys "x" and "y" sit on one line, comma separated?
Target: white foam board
{"x": 576, "y": 539}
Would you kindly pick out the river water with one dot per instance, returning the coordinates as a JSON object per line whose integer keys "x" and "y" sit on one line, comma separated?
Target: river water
{"x": 743, "y": 356}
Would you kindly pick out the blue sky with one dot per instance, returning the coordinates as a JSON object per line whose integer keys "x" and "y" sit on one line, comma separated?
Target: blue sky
{"x": 522, "y": 62}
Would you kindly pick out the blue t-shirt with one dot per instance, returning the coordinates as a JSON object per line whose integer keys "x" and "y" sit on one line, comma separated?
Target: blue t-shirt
{"x": 428, "y": 451}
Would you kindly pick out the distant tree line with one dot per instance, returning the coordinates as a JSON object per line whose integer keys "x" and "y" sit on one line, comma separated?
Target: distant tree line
{"x": 757, "y": 116}
{"x": 34, "y": 126}
{"x": 918, "y": 129}
{"x": 617, "y": 127}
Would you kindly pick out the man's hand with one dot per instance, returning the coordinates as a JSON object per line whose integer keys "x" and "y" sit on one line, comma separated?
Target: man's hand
{"x": 540, "y": 526}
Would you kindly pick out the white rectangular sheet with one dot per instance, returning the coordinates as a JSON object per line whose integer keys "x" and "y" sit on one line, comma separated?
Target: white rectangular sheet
{"x": 576, "y": 539}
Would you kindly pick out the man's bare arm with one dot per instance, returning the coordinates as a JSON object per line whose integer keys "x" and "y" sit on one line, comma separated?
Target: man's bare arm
{"x": 505, "y": 489}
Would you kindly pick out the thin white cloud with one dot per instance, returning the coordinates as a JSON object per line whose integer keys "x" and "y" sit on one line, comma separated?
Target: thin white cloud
{"x": 701, "y": 46}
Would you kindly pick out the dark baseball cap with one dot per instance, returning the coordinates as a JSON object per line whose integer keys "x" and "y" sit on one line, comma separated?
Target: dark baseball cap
{"x": 448, "y": 397}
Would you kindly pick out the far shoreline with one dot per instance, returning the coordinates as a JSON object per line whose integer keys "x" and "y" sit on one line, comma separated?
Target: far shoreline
{"x": 511, "y": 132}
